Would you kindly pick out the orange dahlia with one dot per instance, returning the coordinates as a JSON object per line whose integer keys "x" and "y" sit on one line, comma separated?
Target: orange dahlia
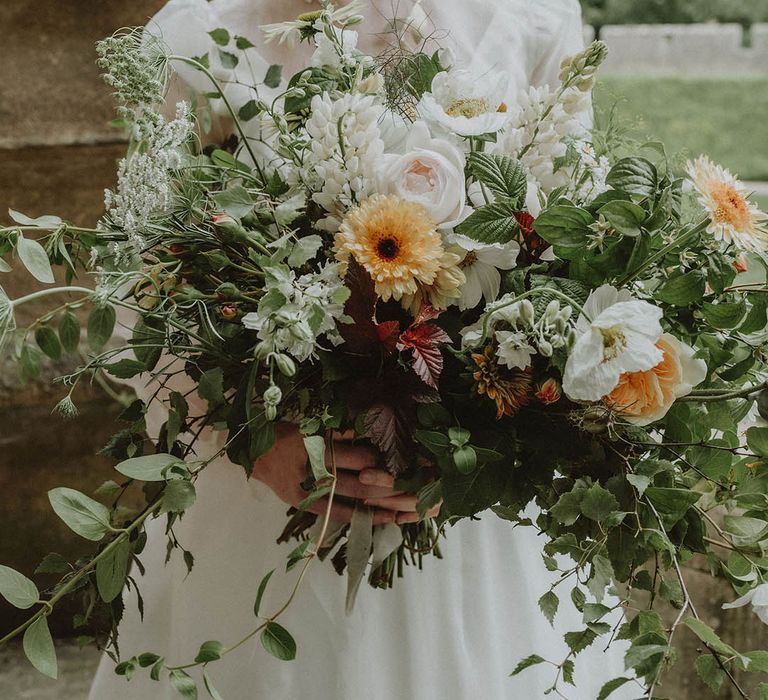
{"x": 395, "y": 241}
{"x": 509, "y": 388}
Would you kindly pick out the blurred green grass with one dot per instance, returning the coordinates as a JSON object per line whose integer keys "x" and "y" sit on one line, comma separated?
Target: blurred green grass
{"x": 727, "y": 119}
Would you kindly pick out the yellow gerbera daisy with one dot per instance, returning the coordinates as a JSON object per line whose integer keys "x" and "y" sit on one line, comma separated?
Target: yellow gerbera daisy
{"x": 446, "y": 287}
{"x": 396, "y": 242}
{"x": 734, "y": 219}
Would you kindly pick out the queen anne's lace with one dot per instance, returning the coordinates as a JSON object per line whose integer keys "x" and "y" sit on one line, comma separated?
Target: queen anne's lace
{"x": 344, "y": 147}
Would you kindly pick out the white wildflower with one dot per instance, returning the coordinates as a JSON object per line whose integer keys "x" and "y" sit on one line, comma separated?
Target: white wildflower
{"x": 757, "y": 598}
{"x": 335, "y": 53}
{"x": 514, "y": 350}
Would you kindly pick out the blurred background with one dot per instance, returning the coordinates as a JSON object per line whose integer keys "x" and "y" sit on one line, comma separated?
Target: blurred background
{"x": 692, "y": 73}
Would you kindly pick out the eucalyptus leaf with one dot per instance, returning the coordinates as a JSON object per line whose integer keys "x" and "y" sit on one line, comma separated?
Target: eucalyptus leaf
{"x": 88, "y": 518}
{"x": 39, "y": 649}
{"x": 35, "y": 259}
{"x": 17, "y": 589}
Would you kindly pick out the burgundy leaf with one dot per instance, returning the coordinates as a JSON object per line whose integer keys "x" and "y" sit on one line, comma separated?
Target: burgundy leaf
{"x": 389, "y": 429}
{"x": 423, "y": 341}
{"x": 388, "y": 334}
{"x": 533, "y": 242}
{"x": 361, "y": 334}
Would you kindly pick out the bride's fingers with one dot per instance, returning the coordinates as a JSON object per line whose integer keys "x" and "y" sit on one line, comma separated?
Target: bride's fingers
{"x": 348, "y": 484}
{"x": 403, "y": 518}
{"x": 377, "y": 477}
{"x": 353, "y": 457}
{"x": 404, "y": 502}
{"x": 343, "y": 512}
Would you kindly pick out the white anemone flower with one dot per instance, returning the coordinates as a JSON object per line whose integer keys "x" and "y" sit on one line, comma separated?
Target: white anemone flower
{"x": 621, "y": 337}
{"x": 466, "y": 104}
{"x": 481, "y": 265}
{"x": 757, "y": 597}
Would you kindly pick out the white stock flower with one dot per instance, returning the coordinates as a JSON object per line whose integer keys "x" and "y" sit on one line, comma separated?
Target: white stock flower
{"x": 430, "y": 173}
{"x": 757, "y": 598}
{"x": 481, "y": 265}
{"x": 465, "y": 104}
{"x": 621, "y": 337}
{"x": 345, "y": 150}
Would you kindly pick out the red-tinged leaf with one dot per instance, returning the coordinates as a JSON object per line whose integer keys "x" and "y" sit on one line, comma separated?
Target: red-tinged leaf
{"x": 423, "y": 341}
{"x": 525, "y": 221}
{"x": 533, "y": 242}
{"x": 361, "y": 334}
{"x": 427, "y": 312}
{"x": 389, "y": 331}
{"x": 388, "y": 428}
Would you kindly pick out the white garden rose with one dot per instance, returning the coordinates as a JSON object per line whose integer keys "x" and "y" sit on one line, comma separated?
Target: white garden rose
{"x": 430, "y": 173}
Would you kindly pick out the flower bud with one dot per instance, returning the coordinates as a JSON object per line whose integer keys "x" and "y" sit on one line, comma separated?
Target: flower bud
{"x": 526, "y": 312}
{"x": 285, "y": 364}
{"x": 228, "y": 311}
{"x": 545, "y": 348}
{"x": 549, "y": 391}
{"x": 552, "y": 311}
{"x": 270, "y": 413}
{"x": 273, "y": 396}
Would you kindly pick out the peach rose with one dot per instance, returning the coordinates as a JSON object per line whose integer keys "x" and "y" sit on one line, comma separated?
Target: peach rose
{"x": 645, "y": 397}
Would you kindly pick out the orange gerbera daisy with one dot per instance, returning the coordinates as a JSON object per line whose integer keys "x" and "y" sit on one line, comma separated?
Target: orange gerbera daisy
{"x": 396, "y": 242}
{"x": 510, "y": 388}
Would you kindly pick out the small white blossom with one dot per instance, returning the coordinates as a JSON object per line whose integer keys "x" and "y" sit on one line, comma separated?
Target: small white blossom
{"x": 757, "y": 598}
{"x": 514, "y": 350}
{"x": 334, "y": 54}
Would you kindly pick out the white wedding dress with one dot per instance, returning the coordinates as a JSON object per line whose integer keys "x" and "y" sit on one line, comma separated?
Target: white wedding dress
{"x": 450, "y": 632}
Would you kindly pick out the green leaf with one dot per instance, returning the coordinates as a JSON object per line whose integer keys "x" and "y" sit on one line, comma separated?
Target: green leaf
{"x": 35, "y": 259}
{"x": 709, "y": 671}
{"x": 465, "y": 459}
{"x": 148, "y": 659}
{"x": 624, "y": 216}
{"x": 598, "y": 503}
{"x": 672, "y": 503}
{"x": 745, "y": 531}
{"x": 567, "y": 510}
{"x": 211, "y": 385}
{"x": 235, "y": 201}
{"x": 147, "y": 468}
{"x": 179, "y": 496}
{"x": 40, "y": 221}
{"x": 52, "y": 563}
{"x": 757, "y": 441}
{"x": 527, "y": 662}
{"x": 565, "y": 227}
{"x": 83, "y": 515}
{"x": 17, "y": 589}
{"x": 579, "y": 641}
{"x": 209, "y": 684}
{"x": 209, "y": 651}
{"x": 612, "y": 685}
{"x": 492, "y": 223}
{"x": 359, "y": 543}
{"x": 601, "y": 576}
{"x": 125, "y": 368}
{"x": 636, "y": 655}
{"x": 101, "y": 325}
{"x": 220, "y": 36}
{"x": 548, "y": 604}
{"x": 48, "y": 342}
{"x": 243, "y": 43}
{"x": 315, "y": 447}
{"x": 248, "y": 111}
{"x": 112, "y": 570}
{"x": 278, "y": 642}
{"x": 38, "y": 646}
{"x": 183, "y": 684}
{"x": 428, "y": 497}
{"x": 314, "y": 495}
{"x": 436, "y": 443}
{"x": 69, "y": 331}
{"x": 228, "y": 61}
{"x": 634, "y": 175}
{"x": 305, "y": 249}
{"x": 504, "y": 176}
{"x": 707, "y": 635}
{"x": 274, "y": 76}
{"x": 682, "y": 289}
{"x": 724, "y": 316}
{"x": 260, "y": 592}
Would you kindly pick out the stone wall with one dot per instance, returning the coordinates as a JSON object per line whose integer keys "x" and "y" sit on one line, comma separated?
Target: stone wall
{"x": 57, "y": 154}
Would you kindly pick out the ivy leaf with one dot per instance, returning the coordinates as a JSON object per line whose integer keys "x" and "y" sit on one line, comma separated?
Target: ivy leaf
{"x": 423, "y": 342}
{"x": 278, "y": 642}
{"x": 598, "y": 503}
{"x": 527, "y": 662}
{"x": 504, "y": 176}
{"x": 35, "y": 259}
{"x": 86, "y": 517}
{"x": 17, "y": 589}
{"x": 38, "y": 646}
{"x": 548, "y": 604}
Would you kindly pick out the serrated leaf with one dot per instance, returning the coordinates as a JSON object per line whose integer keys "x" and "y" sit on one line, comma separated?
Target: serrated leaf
{"x": 35, "y": 259}
{"x": 17, "y": 589}
{"x": 682, "y": 289}
{"x": 492, "y": 223}
{"x": 598, "y": 503}
{"x": 83, "y": 515}
{"x": 610, "y": 686}
{"x": 278, "y": 642}
{"x": 578, "y": 641}
{"x": 707, "y": 635}
{"x": 548, "y": 604}
{"x": 211, "y": 385}
{"x": 709, "y": 671}
{"x": 147, "y": 468}
{"x": 504, "y": 176}
{"x": 101, "y": 325}
{"x": 567, "y": 510}
{"x": 38, "y": 646}
{"x": 527, "y": 662}
{"x": 642, "y": 652}
{"x": 112, "y": 570}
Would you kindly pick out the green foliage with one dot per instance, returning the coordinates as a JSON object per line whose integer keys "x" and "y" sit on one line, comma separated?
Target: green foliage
{"x": 278, "y": 642}
{"x": 17, "y": 589}
{"x": 39, "y": 649}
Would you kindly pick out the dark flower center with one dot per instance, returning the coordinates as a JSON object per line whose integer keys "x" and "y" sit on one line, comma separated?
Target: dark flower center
{"x": 387, "y": 248}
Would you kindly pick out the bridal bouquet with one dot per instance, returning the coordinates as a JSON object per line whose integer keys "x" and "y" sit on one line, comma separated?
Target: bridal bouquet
{"x": 508, "y": 309}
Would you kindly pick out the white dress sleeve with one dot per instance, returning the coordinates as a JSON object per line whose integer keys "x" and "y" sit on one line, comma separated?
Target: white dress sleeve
{"x": 557, "y": 33}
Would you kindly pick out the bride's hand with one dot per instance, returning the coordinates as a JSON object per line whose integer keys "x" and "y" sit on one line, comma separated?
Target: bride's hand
{"x": 283, "y": 469}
